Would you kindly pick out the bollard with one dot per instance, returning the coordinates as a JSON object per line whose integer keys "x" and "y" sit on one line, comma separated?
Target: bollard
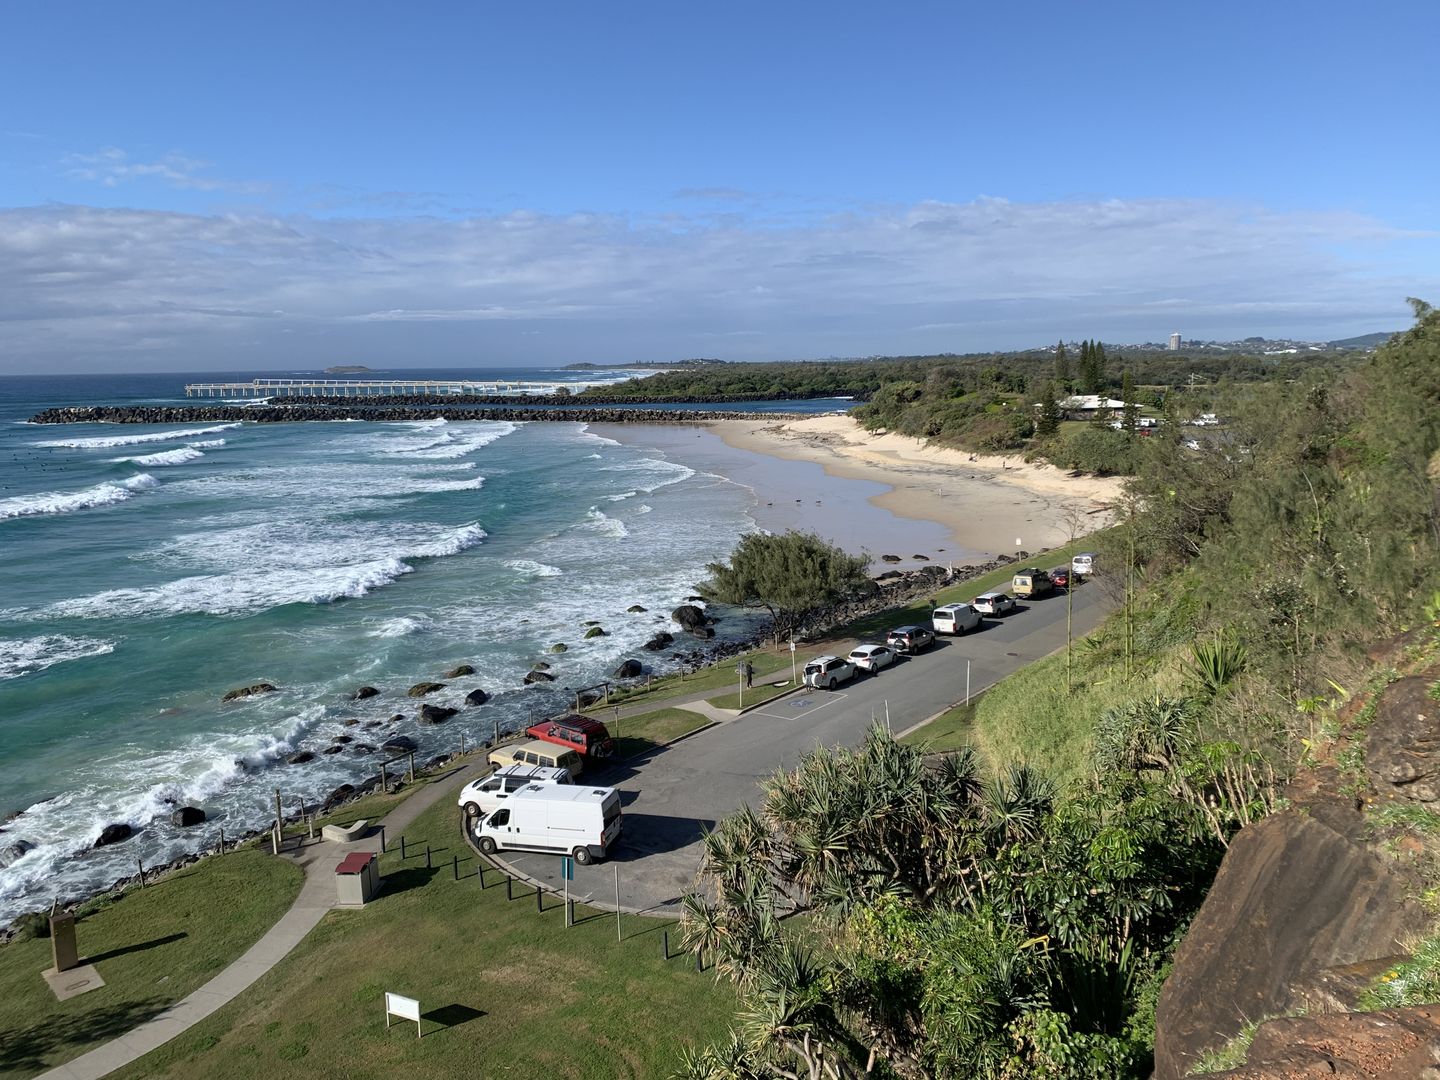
{"x": 497, "y": 732}
{"x": 427, "y": 856}
{"x": 462, "y": 744}
{"x": 275, "y": 839}
{"x": 699, "y": 960}
{"x": 402, "y": 847}
{"x": 509, "y": 887}
{"x": 384, "y": 780}
{"x": 310, "y": 821}
{"x": 480, "y": 871}
{"x": 665, "y": 944}
{"x": 141, "y": 865}
{"x": 539, "y": 899}
{"x": 569, "y": 912}
{"x": 222, "y": 840}
{"x": 410, "y": 777}
{"x": 382, "y": 839}
{"x": 455, "y": 866}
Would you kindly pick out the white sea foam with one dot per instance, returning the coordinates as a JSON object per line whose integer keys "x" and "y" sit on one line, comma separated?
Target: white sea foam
{"x": 597, "y": 521}
{"x": 531, "y": 568}
{"x": 643, "y": 509}
{"x": 134, "y": 440}
{"x": 164, "y": 457}
{"x": 402, "y": 626}
{"x": 29, "y": 655}
{"x": 207, "y": 444}
{"x": 64, "y": 502}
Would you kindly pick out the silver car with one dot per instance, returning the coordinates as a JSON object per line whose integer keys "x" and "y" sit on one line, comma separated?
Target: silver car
{"x": 993, "y": 603}
{"x": 872, "y": 658}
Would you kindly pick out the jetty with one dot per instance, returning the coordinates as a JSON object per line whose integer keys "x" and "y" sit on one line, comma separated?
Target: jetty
{"x": 359, "y": 388}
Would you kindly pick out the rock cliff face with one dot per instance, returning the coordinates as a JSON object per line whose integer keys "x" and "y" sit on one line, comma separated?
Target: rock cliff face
{"x": 1309, "y": 906}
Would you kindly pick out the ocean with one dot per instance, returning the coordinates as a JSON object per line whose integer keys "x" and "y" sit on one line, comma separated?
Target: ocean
{"x": 146, "y": 570}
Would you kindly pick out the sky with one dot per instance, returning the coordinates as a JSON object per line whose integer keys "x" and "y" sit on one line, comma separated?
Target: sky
{"x": 193, "y": 186}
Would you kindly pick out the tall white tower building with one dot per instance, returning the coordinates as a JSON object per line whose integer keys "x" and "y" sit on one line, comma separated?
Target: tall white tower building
{"x": 1175, "y": 341}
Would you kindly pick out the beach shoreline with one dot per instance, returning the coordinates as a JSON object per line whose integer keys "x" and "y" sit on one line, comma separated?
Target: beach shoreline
{"x": 888, "y": 494}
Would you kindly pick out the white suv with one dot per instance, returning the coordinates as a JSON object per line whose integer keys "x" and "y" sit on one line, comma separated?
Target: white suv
{"x": 490, "y": 792}
{"x": 828, "y": 672}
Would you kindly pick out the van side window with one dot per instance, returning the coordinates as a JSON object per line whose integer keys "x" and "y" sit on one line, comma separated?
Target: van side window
{"x": 500, "y": 817}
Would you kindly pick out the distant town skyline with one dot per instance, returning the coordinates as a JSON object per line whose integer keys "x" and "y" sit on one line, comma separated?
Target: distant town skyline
{"x": 187, "y": 188}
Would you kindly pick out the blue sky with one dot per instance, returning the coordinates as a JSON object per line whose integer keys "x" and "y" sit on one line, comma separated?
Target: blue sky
{"x": 192, "y": 185}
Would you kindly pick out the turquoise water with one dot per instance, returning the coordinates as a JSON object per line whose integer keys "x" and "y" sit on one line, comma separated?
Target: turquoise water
{"x": 147, "y": 570}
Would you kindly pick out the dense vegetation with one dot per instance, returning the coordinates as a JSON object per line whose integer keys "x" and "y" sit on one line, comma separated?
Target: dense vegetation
{"x": 993, "y": 922}
{"x": 789, "y": 575}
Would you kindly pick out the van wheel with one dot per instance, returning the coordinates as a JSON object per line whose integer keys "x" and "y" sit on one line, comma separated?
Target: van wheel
{"x": 472, "y": 809}
{"x": 487, "y": 845}
{"x": 582, "y": 856}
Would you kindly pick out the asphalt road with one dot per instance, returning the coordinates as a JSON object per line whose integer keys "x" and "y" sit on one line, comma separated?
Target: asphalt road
{"x": 672, "y": 795}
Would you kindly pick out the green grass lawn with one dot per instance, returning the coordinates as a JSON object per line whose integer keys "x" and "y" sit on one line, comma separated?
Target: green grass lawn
{"x": 950, "y": 730}
{"x": 719, "y": 676}
{"x": 506, "y": 991}
{"x": 151, "y": 946}
{"x": 639, "y": 734}
{"x": 761, "y": 691}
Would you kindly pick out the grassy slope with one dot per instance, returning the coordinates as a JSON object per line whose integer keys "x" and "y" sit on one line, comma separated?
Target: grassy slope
{"x": 151, "y": 946}
{"x": 507, "y": 991}
{"x": 639, "y": 734}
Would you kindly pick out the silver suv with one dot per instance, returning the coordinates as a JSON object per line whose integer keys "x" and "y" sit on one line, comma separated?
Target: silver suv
{"x": 910, "y": 639}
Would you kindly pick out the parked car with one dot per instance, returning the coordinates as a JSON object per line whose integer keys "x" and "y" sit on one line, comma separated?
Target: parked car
{"x": 535, "y": 752}
{"x": 583, "y": 734}
{"x": 993, "y": 603}
{"x": 828, "y": 672}
{"x": 872, "y": 658}
{"x": 910, "y": 639}
{"x": 490, "y": 792}
{"x": 954, "y": 618}
{"x": 1083, "y": 564}
{"x": 1032, "y": 581}
{"x": 558, "y": 819}
{"x": 1060, "y": 577}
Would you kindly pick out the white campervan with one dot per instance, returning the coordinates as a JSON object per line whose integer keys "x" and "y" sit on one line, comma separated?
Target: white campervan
{"x": 557, "y": 819}
{"x": 491, "y": 792}
{"x": 1083, "y": 564}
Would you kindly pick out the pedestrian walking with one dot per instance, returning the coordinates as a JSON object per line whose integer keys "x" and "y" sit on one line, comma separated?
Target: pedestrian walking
{"x": 748, "y": 670}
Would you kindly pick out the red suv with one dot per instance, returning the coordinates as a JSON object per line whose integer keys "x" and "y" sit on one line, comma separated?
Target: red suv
{"x": 583, "y": 733}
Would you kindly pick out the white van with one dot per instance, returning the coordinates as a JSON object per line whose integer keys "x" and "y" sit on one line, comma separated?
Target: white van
{"x": 1083, "y": 564}
{"x": 556, "y": 819}
{"x": 493, "y": 791}
{"x": 954, "y": 618}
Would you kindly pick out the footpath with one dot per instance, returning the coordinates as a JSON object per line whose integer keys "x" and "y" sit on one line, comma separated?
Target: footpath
{"x": 317, "y": 896}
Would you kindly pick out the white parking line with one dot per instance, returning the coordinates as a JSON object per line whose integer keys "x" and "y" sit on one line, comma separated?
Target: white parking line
{"x": 804, "y": 705}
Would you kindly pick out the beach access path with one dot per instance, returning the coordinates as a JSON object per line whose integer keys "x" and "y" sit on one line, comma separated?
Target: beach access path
{"x": 317, "y": 896}
{"x": 674, "y": 793}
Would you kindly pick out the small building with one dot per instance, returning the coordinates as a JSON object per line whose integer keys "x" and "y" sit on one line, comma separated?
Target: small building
{"x": 1086, "y": 406}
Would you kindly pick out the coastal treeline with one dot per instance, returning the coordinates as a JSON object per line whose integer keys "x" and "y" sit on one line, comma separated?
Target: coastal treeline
{"x": 1011, "y": 910}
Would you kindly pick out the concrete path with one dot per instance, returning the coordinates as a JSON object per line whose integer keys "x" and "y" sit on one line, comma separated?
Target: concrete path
{"x": 317, "y": 896}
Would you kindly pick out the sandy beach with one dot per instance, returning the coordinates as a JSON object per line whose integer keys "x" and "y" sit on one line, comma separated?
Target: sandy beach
{"x": 886, "y": 494}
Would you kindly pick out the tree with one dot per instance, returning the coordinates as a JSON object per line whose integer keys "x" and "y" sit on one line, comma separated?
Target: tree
{"x": 788, "y": 575}
{"x": 1130, "y": 414}
{"x": 1062, "y": 366}
{"x": 1048, "y": 422}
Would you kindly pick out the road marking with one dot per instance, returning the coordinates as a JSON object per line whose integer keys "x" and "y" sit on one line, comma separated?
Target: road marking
{"x": 809, "y": 703}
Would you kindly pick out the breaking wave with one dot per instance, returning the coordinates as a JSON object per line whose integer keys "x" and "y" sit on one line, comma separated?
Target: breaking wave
{"x": 134, "y": 440}
{"x": 64, "y": 502}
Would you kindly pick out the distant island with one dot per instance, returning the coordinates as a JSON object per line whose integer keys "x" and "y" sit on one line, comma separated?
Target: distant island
{"x": 348, "y": 369}
{"x": 648, "y": 364}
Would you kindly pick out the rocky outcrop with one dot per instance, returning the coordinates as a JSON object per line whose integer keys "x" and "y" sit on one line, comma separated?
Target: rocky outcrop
{"x": 301, "y": 758}
{"x": 476, "y": 697}
{"x": 1292, "y": 898}
{"x": 559, "y": 647}
{"x": 400, "y": 744}
{"x": 660, "y": 642}
{"x": 704, "y": 633}
{"x": 689, "y": 617}
{"x": 1402, "y": 747}
{"x": 436, "y": 714}
{"x": 535, "y": 675}
{"x": 1393, "y": 1044}
{"x": 338, "y": 796}
{"x": 249, "y": 691}
{"x": 629, "y": 669}
{"x": 184, "y": 817}
{"x": 420, "y": 689}
{"x": 114, "y": 834}
{"x": 595, "y": 631}
{"x": 333, "y": 748}
{"x": 14, "y": 850}
{"x": 363, "y": 693}
{"x": 459, "y": 671}
{"x": 636, "y": 609}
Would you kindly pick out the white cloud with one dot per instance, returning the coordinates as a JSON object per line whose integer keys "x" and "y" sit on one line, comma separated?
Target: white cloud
{"x": 78, "y": 284}
{"x": 113, "y": 167}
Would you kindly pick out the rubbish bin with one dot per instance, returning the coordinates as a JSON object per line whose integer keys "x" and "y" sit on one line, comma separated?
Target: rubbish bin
{"x": 357, "y": 879}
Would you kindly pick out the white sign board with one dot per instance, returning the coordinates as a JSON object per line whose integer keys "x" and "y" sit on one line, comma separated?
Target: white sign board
{"x": 403, "y": 1007}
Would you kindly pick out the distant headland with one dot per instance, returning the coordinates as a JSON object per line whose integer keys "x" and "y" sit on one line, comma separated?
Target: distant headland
{"x": 347, "y": 369}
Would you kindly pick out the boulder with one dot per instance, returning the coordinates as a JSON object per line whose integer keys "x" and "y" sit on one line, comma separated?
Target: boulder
{"x": 371, "y": 724}
{"x": 538, "y": 676}
{"x": 889, "y": 558}
{"x": 363, "y": 693}
{"x": 705, "y": 633}
{"x": 660, "y": 641}
{"x": 476, "y": 697}
{"x": 459, "y": 671}
{"x": 333, "y": 748}
{"x": 436, "y": 714}
{"x": 113, "y": 834}
{"x": 186, "y": 816}
{"x": 420, "y": 689}
{"x": 689, "y": 616}
{"x": 249, "y": 691}
{"x": 338, "y": 796}
{"x": 362, "y": 748}
{"x": 559, "y": 647}
{"x": 301, "y": 758}
{"x": 10, "y": 852}
{"x": 342, "y": 739}
{"x": 595, "y": 631}
{"x": 351, "y": 721}
{"x": 1402, "y": 749}
{"x": 629, "y": 669}
{"x": 635, "y": 609}
{"x": 920, "y": 558}
{"x": 591, "y": 622}
{"x": 540, "y": 665}
{"x": 696, "y": 600}
{"x": 399, "y": 744}
{"x": 1022, "y": 555}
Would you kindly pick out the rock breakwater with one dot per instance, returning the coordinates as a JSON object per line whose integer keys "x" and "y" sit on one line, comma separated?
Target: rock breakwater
{"x": 308, "y": 411}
